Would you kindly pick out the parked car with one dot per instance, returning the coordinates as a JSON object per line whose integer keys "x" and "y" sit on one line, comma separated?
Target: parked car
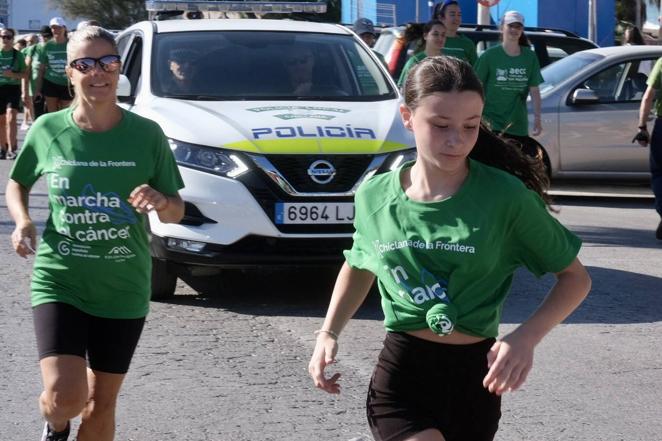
{"x": 590, "y": 108}
{"x": 550, "y": 45}
{"x": 270, "y": 170}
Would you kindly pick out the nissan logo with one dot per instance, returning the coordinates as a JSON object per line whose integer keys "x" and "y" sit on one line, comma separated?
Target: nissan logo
{"x": 321, "y": 171}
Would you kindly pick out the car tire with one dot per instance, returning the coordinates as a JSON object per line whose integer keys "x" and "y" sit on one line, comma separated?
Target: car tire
{"x": 164, "y": 281}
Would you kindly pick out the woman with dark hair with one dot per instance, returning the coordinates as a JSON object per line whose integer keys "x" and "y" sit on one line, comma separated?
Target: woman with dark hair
{"x": 449, "y": 13}
{"x": 51, "y": 81}
{"x": 510, "y": 72}
{"x": 632, "y": 36}
{"x": 432, "y": 39}
{"x": 443, "y": 236}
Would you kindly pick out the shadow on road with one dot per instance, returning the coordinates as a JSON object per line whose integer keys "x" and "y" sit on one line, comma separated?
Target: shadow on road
{"x": 625, "y": 237}
{"x": 617, "y": 297}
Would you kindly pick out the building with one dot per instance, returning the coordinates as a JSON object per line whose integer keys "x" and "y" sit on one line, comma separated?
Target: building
{"x": 30, "y": 15}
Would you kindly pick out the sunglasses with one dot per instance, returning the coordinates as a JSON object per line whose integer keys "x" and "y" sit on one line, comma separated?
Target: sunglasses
{"x": 7, "y": 37}
{"x": 109, "y": 63}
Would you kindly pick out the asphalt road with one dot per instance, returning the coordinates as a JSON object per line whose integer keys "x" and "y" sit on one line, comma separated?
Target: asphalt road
{"x": 228, "y": 363}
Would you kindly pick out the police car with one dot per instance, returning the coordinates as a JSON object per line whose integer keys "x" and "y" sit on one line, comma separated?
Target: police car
{"x": 273, "y": 123}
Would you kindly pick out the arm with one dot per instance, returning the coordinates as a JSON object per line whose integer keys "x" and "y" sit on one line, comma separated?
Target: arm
{"x": 25, "y": 232}
{"x": 536, "y": 100}
{"x": 40, "y": 79}
{"x": 169, "y": 208}
{"x": 644, "y": 111}
{"x": 511, "y": 358}
{"x": 351, "y": 288}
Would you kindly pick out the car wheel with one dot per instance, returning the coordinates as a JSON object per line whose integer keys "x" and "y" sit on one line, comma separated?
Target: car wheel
{"x": 164, "y": 281}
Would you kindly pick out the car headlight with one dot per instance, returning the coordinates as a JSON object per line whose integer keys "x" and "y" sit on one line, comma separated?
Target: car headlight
{"x": 212, "y": 160}
{"x": 402, "y": 157}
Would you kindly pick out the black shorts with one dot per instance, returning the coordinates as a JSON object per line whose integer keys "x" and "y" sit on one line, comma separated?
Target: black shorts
{"x": 419, "y": 385}
{"x": 52, "y": 90}
{"x": 109, "y": 344}
{"x": 10, "y": 95}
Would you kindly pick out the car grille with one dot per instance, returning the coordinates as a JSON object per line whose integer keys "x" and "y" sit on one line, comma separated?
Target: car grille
{"x": 294, "y": 168}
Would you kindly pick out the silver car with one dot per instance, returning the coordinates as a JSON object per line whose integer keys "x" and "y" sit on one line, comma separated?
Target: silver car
{"x": 590, "y": 108}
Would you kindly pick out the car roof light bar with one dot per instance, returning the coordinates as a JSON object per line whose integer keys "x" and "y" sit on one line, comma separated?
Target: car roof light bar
{"x": 169, "y": 6}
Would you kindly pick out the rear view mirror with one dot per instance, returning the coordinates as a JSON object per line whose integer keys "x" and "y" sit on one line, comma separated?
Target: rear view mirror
{"x": 123, "y": 87}
{"x": 584, "y": 96}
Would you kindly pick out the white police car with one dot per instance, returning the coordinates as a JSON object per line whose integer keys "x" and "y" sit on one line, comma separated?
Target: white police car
{"x": 274, "y": 124}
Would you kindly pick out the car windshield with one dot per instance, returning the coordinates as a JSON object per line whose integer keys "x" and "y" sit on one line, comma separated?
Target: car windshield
{"x": 260, "y": 65}
{"x": 563, "y": 69}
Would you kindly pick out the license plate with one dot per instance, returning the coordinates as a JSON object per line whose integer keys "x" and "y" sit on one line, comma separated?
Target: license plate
{"x": 314, "y": 212}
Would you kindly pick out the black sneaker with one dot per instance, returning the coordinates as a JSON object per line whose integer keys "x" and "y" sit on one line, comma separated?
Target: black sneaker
{"x": 3, "y": 154}
{"x": 658, "y": 232}
{"x": 51, "y": 435}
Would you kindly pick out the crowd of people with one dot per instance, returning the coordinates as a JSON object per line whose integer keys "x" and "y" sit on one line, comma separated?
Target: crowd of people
{"x": 442, "y": 248}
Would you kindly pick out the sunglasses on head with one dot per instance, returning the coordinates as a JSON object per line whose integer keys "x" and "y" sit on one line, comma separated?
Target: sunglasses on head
{"x": 109, "y": 63}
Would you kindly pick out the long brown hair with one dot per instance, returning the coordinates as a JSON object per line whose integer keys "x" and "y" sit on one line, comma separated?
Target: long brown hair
{"x": 449, "y": 74}
{"x": 415, "y": 31}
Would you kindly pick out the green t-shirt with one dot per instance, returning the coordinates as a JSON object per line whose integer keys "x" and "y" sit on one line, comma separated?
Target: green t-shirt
{"x": 94, "y": 251}
{"x": 11, "y": 60}
{"x": 32, "y": 52}
{"x": 506, "y": 81}
{"x": 54, "y": 55}
{"x": 409, "y": 65}
{"x": 461, "y": 47}
{"x": 655, "y": 81}
{"x": 465, "y": 248}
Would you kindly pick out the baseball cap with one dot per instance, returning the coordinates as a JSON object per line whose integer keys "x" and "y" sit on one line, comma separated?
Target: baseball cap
{"x": 364, "y": 26}
{"x": 57, "y": 21}
{"x": 46, "y": 31}
{"x": 513, "y": 17}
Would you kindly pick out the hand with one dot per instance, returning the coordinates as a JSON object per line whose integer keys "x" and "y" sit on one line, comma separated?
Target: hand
{"x": 509, "y": 362}
{"x": 537, "y": 127}
{"x": 145, "y": 199}
{"x": 24, "y": 239}
{"x": 324, "y": 355}
{"x": 642, "y": 137}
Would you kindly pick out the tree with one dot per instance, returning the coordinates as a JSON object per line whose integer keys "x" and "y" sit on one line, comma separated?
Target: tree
{"x": 112, "y": 14}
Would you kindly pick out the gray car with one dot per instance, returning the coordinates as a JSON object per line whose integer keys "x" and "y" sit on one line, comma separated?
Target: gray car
{"x": 590, "y": 108}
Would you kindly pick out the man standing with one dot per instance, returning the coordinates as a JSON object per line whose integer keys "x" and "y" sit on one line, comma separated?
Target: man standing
{"x": 12, "y": 71}
{"x": 655, "y": 138}
{"x": 364, "y": 28}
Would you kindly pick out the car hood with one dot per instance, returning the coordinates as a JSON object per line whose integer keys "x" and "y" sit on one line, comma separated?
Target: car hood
{"x": 284, "y": 127}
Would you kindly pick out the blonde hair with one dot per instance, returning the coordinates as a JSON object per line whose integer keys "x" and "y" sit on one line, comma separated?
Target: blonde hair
{"x": 85, "y": 35}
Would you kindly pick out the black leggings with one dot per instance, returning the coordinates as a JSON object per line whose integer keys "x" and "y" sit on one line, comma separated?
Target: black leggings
{"x": 419, "y": 385}
{"x": 109, "y": 344}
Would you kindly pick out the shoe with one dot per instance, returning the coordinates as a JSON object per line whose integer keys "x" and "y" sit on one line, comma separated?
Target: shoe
{"x": 51, "y": 435}
{"x": 11, "y": 154}
{"x": 658, "y": 232}
{"x": 3, "y": 154}
{"x": 24, "y": 127}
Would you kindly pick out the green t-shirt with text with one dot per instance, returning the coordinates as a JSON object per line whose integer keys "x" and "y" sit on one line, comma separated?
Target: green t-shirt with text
{"x": 94, "y": 251}
{"x": 655, "y": 81}
{"x": 506, "y": 81}
{"x": 461, "y": 47}
{"x": 409, "y": 65}
{"x": 11, "y": 60}
{"x": 463, "y": 249}
{"x": 54, "y": 56}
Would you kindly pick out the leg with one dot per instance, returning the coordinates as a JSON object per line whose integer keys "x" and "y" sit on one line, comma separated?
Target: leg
{"x": 63, "y": 104}
{"x": 51, "y": 104}
{"x": 3, "y": 130}
{"x": 65, "y": 389}
{"x": 98, "y": 416}
{"x": 656, "y": 164}
{"x": 12, "y": 115}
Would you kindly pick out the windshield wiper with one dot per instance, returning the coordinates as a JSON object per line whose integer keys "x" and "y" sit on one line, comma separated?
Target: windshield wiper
{"x": 194, "y": 97}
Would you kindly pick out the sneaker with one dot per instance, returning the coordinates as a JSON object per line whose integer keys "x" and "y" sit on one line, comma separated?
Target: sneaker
{"x": 11, "y": 154}
{"x": 24, "y": 126}
{"x": 658, "y": 232}
{"x": 51, "y": 435}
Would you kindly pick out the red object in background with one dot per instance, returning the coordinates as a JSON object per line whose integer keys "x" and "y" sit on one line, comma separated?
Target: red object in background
{"x": 488, "y": 3}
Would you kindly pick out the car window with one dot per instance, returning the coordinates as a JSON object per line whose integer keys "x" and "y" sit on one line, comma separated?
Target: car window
{"x": 608, "y": 84}
{"x": 634, "y": 83}
{"x": 555, "y": 73}
{"x": 261, "y": 65}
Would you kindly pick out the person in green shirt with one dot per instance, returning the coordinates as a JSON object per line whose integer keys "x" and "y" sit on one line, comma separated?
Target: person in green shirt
{"x": 33, "y": 63}
{"x": 27, "y": 82}
{"x": 12, "y": 72}
{"x": 460, "y": 46}
{"x": 364, "y": 28}
{"x": 510, "y": 72}
{"x": 443, "y": 236}
{"x": 105, "y": 168}
{"x": 52, "y": 79}
{"x": 432, "y": 43}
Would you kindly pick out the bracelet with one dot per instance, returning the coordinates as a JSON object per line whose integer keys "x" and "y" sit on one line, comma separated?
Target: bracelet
{"x": 327, "y": 331}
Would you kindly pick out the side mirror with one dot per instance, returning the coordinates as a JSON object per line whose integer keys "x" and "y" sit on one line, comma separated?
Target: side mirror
{"x": 123, "y": 87}
{"x": 584, "y": 96}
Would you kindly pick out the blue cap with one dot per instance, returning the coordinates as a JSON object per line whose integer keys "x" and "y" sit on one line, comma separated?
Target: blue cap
{"x": 364, "y": 26}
